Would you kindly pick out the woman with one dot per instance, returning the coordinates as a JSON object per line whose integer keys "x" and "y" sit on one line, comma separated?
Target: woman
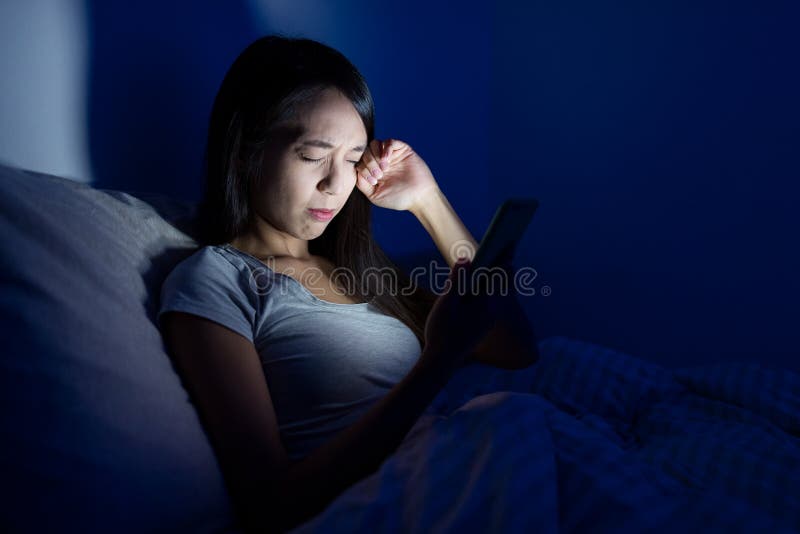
{"x": 305, "y": 388}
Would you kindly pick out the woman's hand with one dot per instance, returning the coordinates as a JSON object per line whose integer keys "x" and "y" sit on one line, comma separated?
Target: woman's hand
{"x": 512, "y": 341}
{"x": 459, "y": 319}
{"x": 401, "y": 179}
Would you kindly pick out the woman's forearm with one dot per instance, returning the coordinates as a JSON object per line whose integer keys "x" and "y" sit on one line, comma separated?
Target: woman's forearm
{"x": 354, "y": 453}
{"x": 445, "y": 227}
{"x": 510, "y": 344}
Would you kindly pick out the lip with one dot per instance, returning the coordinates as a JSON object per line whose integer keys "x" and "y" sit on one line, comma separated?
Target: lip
{"x": 320, "y": 214}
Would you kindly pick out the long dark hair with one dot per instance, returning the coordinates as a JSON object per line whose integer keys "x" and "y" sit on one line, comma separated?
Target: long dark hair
{"x": 261, "y": 90}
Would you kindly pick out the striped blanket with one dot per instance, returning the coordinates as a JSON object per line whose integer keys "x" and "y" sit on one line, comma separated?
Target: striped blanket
{"x": 590, "y": 439}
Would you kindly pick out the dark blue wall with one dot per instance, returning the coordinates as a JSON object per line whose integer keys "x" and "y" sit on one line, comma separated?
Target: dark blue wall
{"x": 660, "y": 139}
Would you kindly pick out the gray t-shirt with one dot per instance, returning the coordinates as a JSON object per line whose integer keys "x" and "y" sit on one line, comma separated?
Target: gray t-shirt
{"x": 325, "y": 363}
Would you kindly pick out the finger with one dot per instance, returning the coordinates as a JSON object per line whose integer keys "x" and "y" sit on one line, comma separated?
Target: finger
{"x": 389, "y": 147}
{"x": 366, "y": 175}
{"x": 366, "y": 164}
{"x": 370, "y": 158}
{"x": 365, "y": 181}
{"x": 385, "y": 153}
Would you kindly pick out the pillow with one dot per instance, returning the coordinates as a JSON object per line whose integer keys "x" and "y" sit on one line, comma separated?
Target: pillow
{"x": 98, "y": 433}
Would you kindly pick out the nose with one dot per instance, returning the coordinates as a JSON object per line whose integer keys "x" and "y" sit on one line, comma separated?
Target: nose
{"x": 340, "y": 178}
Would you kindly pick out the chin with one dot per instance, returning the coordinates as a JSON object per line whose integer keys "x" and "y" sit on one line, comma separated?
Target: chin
{"x": 315, "y": 233}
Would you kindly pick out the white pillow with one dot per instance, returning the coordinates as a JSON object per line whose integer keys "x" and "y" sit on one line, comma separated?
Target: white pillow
{"x": 98, "y": 434}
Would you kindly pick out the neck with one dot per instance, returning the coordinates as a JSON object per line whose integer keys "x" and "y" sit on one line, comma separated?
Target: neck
{"x": 278, "y": 245}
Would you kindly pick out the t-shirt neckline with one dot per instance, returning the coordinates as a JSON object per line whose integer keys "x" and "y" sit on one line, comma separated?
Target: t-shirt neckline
{"x": 303, "y": 289}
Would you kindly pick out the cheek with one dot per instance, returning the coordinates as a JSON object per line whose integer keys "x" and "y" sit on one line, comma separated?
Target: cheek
{"x": 300, "y": 189}
{"x": 274, "y": 197}
{"x": 290, "y": 197}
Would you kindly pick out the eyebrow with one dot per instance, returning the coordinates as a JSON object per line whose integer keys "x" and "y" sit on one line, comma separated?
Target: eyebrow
{"x": 324, "y": 144}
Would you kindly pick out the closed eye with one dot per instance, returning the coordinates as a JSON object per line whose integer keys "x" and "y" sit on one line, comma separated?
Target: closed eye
{"x": 312, "y": 160}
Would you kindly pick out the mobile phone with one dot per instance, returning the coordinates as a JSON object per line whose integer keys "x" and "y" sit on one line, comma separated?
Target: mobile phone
{"x": 505, "y": 230}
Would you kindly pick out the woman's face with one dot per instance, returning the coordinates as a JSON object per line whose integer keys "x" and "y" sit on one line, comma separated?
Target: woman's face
{"x": 314, "y": 170}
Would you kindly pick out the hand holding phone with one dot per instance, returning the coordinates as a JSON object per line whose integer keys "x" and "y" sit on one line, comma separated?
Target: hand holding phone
{"x": 505, "y": 231}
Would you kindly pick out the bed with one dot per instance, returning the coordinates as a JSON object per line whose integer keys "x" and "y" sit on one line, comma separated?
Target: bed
{"x": 591, "y": 440}
{"x": 99, "y": 434}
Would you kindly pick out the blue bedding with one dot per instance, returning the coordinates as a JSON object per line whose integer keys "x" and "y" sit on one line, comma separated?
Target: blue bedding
{"x": 590, "y": 439}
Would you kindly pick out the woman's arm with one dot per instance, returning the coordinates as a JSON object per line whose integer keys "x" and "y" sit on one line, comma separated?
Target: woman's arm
{"x": 270, "y": 492}
{"x": 407, "y": 183}
{"x": 511, "y": 343}
{"x": 439, "y": 218}
{"x": 359, "y": 450}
